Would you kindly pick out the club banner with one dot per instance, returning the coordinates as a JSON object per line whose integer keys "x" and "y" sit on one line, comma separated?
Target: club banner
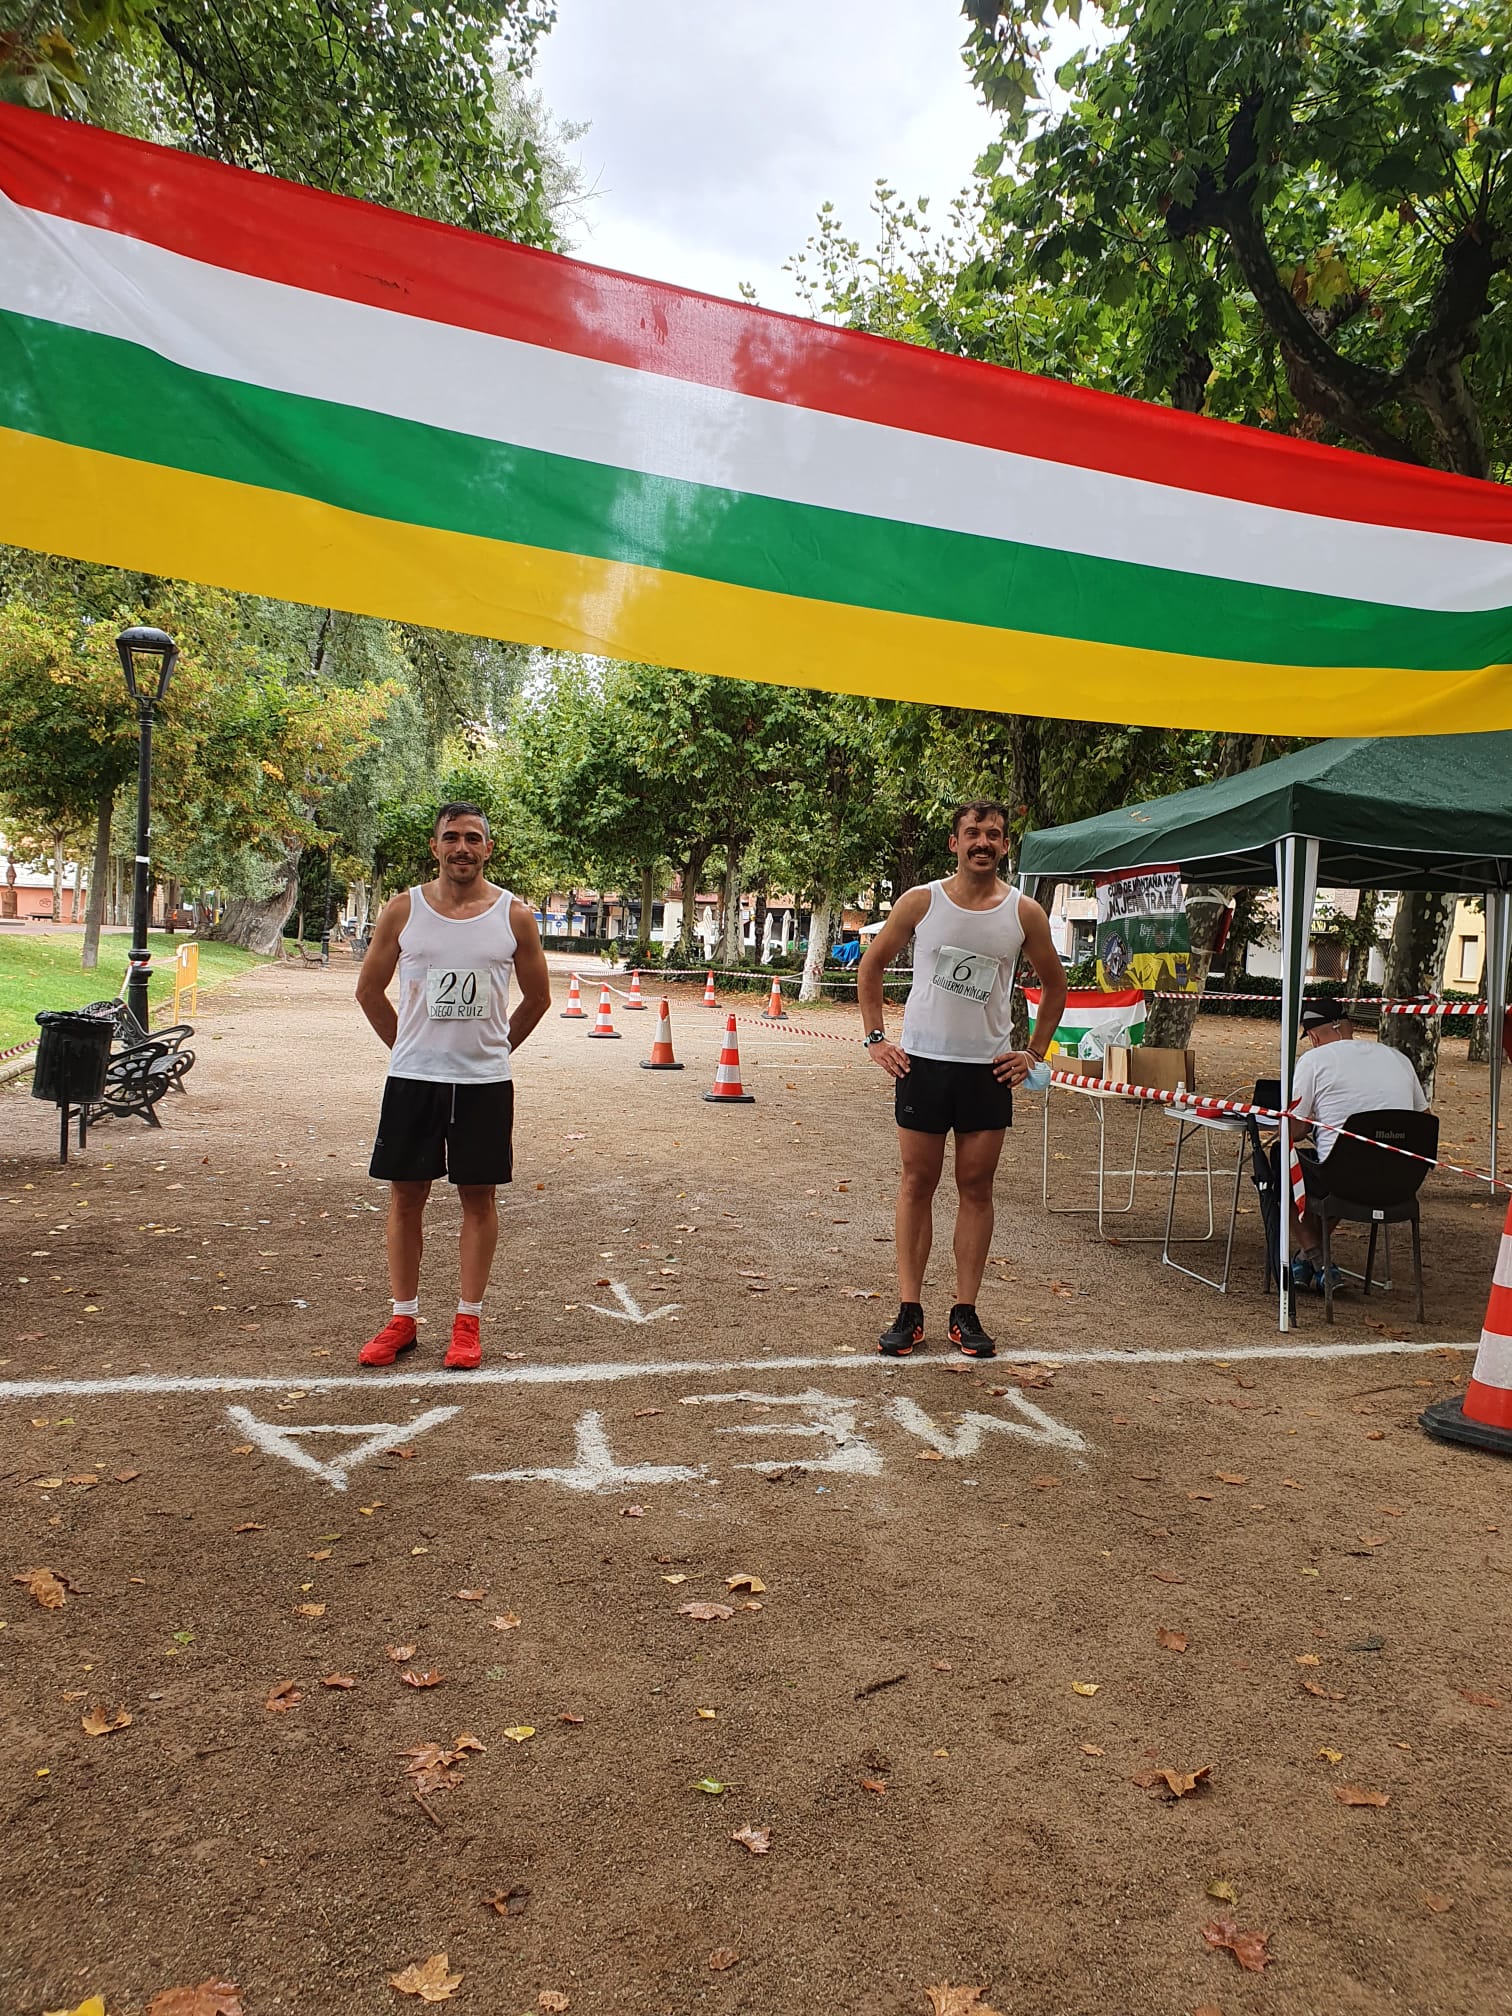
{"x": 215, "y": 374}
{"x": 1143, "y": 938}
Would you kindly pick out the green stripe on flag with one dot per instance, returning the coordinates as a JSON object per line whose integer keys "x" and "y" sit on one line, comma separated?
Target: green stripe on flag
{"x": 119, "y": 398}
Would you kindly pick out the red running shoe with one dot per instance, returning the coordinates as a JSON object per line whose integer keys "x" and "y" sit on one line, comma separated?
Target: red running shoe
{"x": 397, "y": 1335}
{"x": 466, "y": 1352}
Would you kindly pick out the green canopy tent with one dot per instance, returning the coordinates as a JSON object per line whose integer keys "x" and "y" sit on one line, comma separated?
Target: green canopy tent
{"x": 1415, "y": 812}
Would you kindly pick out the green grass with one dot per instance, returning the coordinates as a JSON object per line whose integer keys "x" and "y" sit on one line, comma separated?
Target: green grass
{"x": 44, "y": 973}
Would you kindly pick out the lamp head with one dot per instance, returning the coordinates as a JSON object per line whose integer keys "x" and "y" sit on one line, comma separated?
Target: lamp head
{"x": 147, "y": 658}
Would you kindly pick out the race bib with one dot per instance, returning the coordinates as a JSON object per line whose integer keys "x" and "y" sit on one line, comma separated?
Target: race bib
{"x": 457, "y": 993}
{"x": 970, "y": 976}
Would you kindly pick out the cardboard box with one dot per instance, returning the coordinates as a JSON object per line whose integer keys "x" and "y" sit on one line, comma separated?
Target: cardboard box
{"x": 1163, "y": 1070}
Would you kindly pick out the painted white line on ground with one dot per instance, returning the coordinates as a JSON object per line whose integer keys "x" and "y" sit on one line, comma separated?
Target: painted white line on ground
{"x": 276, "y": 1438}
{"x": 966, "y": 1439}
{"x": 630, "y": 1311}
{"x": 595, "y": 1468}
{"x": 668, "y": 1368}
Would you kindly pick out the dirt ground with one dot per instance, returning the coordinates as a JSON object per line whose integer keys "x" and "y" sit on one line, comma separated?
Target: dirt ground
{"x": 953, "y": 1682}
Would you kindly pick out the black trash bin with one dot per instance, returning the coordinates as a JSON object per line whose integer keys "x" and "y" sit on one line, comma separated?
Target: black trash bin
{"x": 73, "y": 1056}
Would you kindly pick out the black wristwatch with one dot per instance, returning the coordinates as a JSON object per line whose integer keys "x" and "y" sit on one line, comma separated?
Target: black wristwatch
{"x": 874, "y": 1036}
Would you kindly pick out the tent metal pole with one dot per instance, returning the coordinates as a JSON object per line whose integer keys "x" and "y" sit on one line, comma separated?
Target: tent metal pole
{"x": 1297, "y": 886}
{"x": 1498, "y": 949}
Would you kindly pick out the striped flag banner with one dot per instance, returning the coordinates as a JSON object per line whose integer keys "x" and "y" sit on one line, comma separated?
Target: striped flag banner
{"x": 214, "y": 374}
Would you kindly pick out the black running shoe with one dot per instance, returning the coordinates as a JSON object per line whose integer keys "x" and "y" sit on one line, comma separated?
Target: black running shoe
{"x": 967, "y": 1334}
{"x": 906, "y": 1330}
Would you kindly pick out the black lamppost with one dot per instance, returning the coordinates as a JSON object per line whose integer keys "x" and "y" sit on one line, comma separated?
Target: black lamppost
{"x": 147, "y": 658}
{"x": 325, "y": 929}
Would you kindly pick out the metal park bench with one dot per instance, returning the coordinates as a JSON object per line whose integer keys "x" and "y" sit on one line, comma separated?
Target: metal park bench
{"x": 143, "y": 1068}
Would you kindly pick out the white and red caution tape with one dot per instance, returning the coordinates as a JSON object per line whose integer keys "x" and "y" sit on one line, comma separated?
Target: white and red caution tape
{"x": 1342, "y": 1001}
{"x": 1272, "y": 1115}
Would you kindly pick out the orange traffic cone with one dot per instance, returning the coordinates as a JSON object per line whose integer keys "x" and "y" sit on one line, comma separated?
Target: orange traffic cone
{"x": 661, "y": 1058}
{"x": 708, "y": 1000}
{"x": 574, "y": 1011}
{"x": 773, "y": 1010}
{"x": 604, "y": 1026}
{"x": 634, "y": 1000}
{"x": 1482, "y": 1415}
{"x": 727, "y": 1089}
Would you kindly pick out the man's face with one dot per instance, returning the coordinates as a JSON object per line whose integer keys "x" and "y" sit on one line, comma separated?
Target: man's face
{"x": 980, "y": 844}
{"x": 462, "y": 848}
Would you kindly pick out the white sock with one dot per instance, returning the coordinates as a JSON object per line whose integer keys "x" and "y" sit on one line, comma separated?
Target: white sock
{"x": 410, "y": 1308}
{"x": 469, "y": 1308}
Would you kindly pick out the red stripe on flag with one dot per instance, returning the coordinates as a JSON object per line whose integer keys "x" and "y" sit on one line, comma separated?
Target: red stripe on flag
{"x": 307, "y": 238}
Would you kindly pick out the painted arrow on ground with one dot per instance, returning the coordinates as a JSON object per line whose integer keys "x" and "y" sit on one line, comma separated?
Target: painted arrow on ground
{"x": 630, "y": 1310}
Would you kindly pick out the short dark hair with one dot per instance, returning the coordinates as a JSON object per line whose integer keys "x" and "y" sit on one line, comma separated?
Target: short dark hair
{"x": 461, "y": 809}
{"x": 978, "y": 808}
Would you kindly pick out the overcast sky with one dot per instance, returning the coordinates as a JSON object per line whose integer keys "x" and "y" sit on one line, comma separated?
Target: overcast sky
{"x": 718, "y": 129}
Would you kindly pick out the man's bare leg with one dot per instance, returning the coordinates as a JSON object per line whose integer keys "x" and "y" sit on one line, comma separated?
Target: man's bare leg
{"x": 976, "y": 1161}
{"x": 480, "y": 1235}
{"x": 923, "y": 1157}
{"x": 404, "y": 1234}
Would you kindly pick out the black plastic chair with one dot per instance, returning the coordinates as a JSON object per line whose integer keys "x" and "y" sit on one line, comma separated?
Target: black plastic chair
{"x": 1364, "y": 1185}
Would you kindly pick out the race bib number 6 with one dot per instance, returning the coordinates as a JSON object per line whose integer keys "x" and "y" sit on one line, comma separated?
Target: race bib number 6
{"x": 970, "y": 976}
{"x": 456, "y": 994}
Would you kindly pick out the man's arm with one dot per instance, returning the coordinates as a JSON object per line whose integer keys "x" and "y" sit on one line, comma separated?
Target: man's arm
{"x": 377, "y": 969}
{"x": 1039, "y": 949}
{"x": 902, "y": 922}
{"x": 530, "y": 971}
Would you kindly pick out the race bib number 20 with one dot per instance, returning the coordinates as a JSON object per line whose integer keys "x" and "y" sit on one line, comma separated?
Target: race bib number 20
{"x": 456, "y": 994}
{"x": 970, "y": 976}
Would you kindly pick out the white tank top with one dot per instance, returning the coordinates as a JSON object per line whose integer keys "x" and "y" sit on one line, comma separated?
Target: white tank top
{"x": 960, "y": 1006}
{"x": 454, "y": 995}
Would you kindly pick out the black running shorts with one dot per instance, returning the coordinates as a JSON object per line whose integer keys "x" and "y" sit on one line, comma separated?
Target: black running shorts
{"x": 934, "y": 1097}
{"x": 462, "y": 1132}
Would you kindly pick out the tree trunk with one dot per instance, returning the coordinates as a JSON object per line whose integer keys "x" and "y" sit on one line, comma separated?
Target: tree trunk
{"x": 1414, "y": 966}
{"x": 1170, "y": 1023}
{"x": 908, "y": 854}
{"x": 1362, "y": 941}
{"x": 1024, "y": 740}
{"x": 818, "y": 947}
{"x": 760, "y": 920}
{"x": 1237, "y": 949}
{"x": 732, "y": 946}
{"x": 256, "y": 922}
{"x": 99, "y": 875}
{"x": 692, "y": 868}
{"x": 647, "y": 906}
{"x": 57, "y": 909}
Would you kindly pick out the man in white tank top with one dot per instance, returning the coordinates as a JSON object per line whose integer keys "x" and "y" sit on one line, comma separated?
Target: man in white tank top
{"x": 956, "y": 1066}
{"x": 448, "y": 1101}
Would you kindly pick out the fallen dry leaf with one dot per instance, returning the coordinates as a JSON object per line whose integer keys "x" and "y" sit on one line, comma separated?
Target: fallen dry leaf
{"x": 249, "y": 1526}
{"x": 471, "y": 1595}
{"x": 429, "y": 1979}
{"x": 642, "y": 1412}
{"x": 1030, "y": 1375}
{"x": 674, "y": 1579}
{"x": 211, "y": 1998}
{"x": 757, "y": 1839}
{"x": 1308, "y": 1659}
{"x": 43, "y": 1587}
{"x": 1230, "y": 1477}
{"x": 92, "y": 2005}
{"x": 98, "y": 1721}
{"x": 401, "y": 1654}
{"x": 339, "y": 1680}
{"x": 947, "y": 2001}
{"x": 432, "y": 1766}
{"x": 428, "y": 1679}
{"x": 309, "y": 1609}
{"x": 752, "y": 1582}
{"x": 127, "y": 1476}
{"x": 1087, "y": 1687}
{"x": 1165, "y": 1575}
{"x": 1436, "y": 1900}
{"x": 632, "y": 1511}
{"x": 1323, "y": 1693}
{"x": 320, "y": 1554}
{"x": 930, "y": 1456}
{"x": 723, "y": 1957}
{"x": 1356, "y": 1795}
{"x": 521, "y": 1732}
{"x": 567, "y": 1716}
{"x": 1479, "y": 1700}
{"x": 1170, "y": 1641}
{"x": 706, "y": 1613}
{"x": 878, "y": 1785}
{"x": 508, "y": 1903}
{"x": 1177, "y": 1783}
{"x": 1248, "y": 1948}
{"x": 508, "y": 1622}
{"x": 552, "y": 1999}
{"x": 1332, "y": 1756}
{"x": 1221, "y": 1888}
{"x": 1092, "y": 1750}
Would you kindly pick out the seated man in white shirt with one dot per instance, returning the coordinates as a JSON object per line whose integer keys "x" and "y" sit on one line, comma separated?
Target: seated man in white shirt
{"x": 1335, "y": 1077}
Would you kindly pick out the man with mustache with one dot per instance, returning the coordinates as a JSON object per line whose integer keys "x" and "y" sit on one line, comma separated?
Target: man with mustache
{"x": 955, "y": 1067}
{"x": 448, "y": 1101}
